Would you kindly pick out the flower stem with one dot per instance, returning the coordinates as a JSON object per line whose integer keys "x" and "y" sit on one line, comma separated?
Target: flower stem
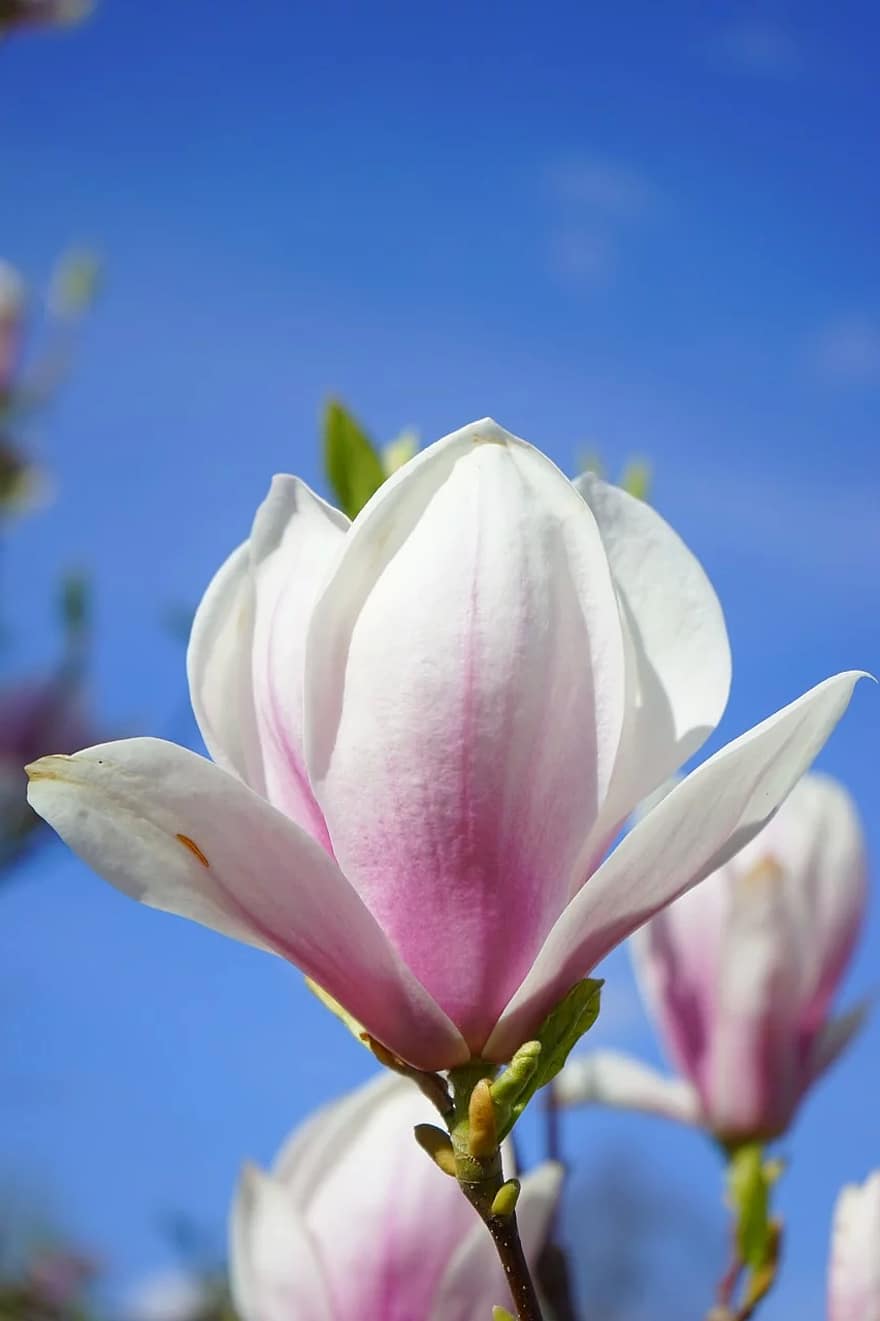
{"x": 480, "y": 1177}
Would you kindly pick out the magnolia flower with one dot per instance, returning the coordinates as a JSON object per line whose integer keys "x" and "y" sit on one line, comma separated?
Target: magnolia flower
{"x": 34, "y": 717}
{"x": 356, "y": 1221}
{"x": 427, "y": 725}
{"x": 854, "y": 1269}
{"x": 11, "y": 312}
{"x": 740, "y": 974}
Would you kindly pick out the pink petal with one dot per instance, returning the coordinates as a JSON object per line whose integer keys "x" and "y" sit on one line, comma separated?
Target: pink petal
{"x": 464, "y": 698}
{"x": 178, "y": 833}
{"x": 706, "y": 818}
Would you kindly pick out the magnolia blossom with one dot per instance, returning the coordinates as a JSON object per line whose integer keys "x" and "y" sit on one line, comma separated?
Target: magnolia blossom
{"x": 426, "y": 727}
{"x": 854, "y": 1269}
{"x": 740, "y": 974}
{"x": 35, "y": 716}
{"x": 355, "y": 1220}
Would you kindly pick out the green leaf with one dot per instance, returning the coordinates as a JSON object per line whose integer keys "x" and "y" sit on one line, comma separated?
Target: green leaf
{"x": 749, "y": 1184}
{"x": 351, "y": 461}
{"x": 636, "y": 478}
{"x": 559, "y": 1033}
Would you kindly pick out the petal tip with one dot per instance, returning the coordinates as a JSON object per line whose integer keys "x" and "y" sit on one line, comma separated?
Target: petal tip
{"x": 486, "y": 431}
{"x": 46, "y": 768}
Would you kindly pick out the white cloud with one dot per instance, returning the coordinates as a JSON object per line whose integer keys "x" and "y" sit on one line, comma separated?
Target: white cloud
{"x": 594, "y": 201}
{"x": 602, "y": 187}
{"x": 847, "y": 352}
{"x": 760, "y": 48}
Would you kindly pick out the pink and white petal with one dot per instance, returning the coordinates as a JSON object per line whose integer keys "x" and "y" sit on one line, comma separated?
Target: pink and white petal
{"x": 464, "y": 699}
{"x": 691, "y": 832}
{"x": 294, "y": 539}
{"x": 474, "y": 1281}
{"x": 676, "y": 957}
{"x": 607, "y": 1077}
{"x": 175, "y": 831}
{"x": 749, "y": 1078}
{"x": 854, "y": 1269}
{"x": 818, "y": 839}
{"x": 385, "y": 1219}
{"x": 680, "y": 652}
{"x": 218, "y": 663}
{"x": 834, "y": 1038}
{"x": 275, "y": 1271}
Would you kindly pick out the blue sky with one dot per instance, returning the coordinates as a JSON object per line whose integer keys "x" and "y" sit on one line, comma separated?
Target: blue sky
{"x": 646, "y": 229}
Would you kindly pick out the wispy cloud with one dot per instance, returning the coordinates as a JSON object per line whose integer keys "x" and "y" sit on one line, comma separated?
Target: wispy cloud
{"x": 759, "y": 48}
{"x": 846, "y": 352}
{"x": 594, "y": 201}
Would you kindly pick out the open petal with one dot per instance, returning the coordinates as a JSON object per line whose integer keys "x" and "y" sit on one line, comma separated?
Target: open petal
{"x": 691, "y": 832}
{"x": 178, "y": 833}
{"x": 218, "y": 662}
{"x": 474, "y": 1282}
{"x": 295, "y": 537}
{"x": 679, "y": 660}
{"x": 607, "y": 1077}
{"x": 464, "y": 699}
{"x": 276, "y": 1273}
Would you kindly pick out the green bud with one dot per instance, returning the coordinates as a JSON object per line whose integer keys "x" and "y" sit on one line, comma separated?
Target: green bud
{"x": 506, "y": 1199}
{"x": 438, "y": 1146}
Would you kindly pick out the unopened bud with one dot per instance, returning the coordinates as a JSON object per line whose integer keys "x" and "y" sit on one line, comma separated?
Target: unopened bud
{"x": 437, "y": 1145}
{"x": 504, "y": 1202}
{"x": 482, "y": 1129}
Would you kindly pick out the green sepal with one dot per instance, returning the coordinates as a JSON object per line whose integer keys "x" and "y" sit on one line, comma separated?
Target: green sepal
{"x": 750, "y": 1180}
{"x": 532, "y": 1068}
{"x": 501, "y": 1314}
{"x": 352, "y": 463}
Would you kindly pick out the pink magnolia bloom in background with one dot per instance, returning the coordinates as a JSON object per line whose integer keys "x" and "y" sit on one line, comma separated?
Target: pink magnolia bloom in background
{"x": 740, "y": 974}
{"x": 355, "y": 1220}
{"x": 854, "y": 1269}
{"x": 427, "y": 726}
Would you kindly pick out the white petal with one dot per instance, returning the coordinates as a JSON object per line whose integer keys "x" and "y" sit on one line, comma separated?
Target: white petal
{"x": 680, "y": 652}
{"x": 276, "y": 1273}
{"x": 706, "y": 818}
{"x": 464, "y": 699}
{"x": 606, "y": 1077}
{"x": 854, "y": 1274}
{"x": 178, "y": 833}
{"x": 294, "y": 539}
{"x": 218, "y": 662}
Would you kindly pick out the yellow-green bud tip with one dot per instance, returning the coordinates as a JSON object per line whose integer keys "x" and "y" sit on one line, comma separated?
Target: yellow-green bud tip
{"x": 437, "y": 1145}
{"x": 506, "y": 1198}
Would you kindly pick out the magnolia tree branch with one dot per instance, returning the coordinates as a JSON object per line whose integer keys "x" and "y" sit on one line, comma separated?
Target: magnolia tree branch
{"x": 476, "y": 1154}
